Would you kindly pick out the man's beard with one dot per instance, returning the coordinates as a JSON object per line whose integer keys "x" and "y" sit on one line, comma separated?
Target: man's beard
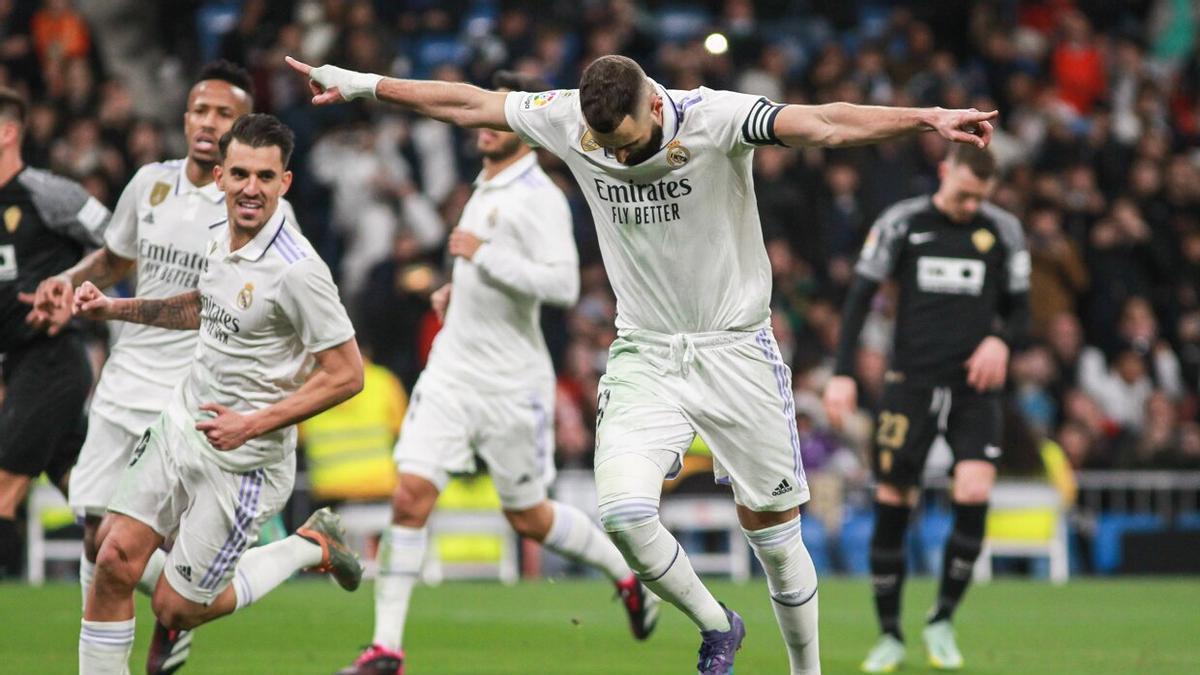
{"x": 504, "y": 150}
{"x": 647, "y": 151}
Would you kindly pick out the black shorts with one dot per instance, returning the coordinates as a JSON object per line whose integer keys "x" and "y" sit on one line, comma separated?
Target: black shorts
{"x": 42, "y": 420}
{"x": 912, "y": 417}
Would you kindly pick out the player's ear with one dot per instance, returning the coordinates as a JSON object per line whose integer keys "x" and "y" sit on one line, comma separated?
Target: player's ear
{"x": 286, "y": 181}
{"x": 217, "y": 173}
{"x": 656, "y": 107}
{"x": 943, "y": 169}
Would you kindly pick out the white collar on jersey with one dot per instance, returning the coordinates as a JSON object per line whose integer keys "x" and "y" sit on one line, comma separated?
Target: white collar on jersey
{"x": 256, "y": 247}
{"x": 183, "y": 186}
{"x": 670, "y": 114}
{"x": 510, "y": 174}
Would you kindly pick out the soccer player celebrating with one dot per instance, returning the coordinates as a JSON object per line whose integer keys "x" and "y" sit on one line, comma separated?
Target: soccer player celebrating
{"x": 220, "y": 459}
{"x": 48, "y": 223}
{"x": 667, "y": 175}
{"x": 489, "y": 386}
{"x": 963, "y": 273}
{"x": 162, "y": 223}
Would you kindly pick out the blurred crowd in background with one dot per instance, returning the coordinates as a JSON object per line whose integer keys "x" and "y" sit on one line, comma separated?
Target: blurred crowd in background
{"x": 1098, "y": 140}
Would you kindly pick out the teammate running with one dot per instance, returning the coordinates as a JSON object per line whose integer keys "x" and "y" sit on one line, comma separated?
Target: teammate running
{"x": 220, "y": 459}
{"x": 667, "y": 175}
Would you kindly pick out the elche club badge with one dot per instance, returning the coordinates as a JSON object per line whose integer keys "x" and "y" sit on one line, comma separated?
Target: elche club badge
{"x": 245, "y": 296}
{"x": 983, "y": 240}
{"x": 12, "y": 218}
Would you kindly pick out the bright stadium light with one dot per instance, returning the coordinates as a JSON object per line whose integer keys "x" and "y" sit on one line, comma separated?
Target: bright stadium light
{"x": 716, "y": 43}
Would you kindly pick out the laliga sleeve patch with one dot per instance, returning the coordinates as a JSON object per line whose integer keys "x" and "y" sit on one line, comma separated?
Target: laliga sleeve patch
{"x": 539, "y": 100}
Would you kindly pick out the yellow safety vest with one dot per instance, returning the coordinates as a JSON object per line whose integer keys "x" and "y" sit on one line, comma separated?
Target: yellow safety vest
{"x": 349, "y": 447}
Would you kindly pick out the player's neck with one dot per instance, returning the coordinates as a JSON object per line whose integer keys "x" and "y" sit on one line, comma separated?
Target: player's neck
{"x": 493, "y": 167}
{"x": 200, "y": 174}
{"x": 10, "y": 165}
{"x": 939, "y": 203}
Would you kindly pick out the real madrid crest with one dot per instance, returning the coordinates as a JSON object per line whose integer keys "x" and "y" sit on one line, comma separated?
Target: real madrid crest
{"x": 677, "y": 155}
{"x": 983, "y": 240}
{"x": 588, "y": 143}
{"x": 12, "y": 218}
{"x": 159, "y": 192}
{"x": 245, "y": 296}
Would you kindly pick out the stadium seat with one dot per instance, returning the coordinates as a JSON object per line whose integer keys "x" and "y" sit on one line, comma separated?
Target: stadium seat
{"x": 1026, "y": 520}
{"x": 932, "y": 528}
{"x": 1110, "y": 529}
{"x": 46, "y": 506}
{"x": 1188, "y": 521}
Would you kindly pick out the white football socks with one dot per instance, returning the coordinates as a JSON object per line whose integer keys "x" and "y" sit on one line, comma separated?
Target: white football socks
{"x": 629, "y": 486}
{"x": 401, "y": 552}
{"x": 104, "y": 647}
{"x": 263, "y": 568}
{"x": 574, "y": 536}
{"x": 792, "y": 580}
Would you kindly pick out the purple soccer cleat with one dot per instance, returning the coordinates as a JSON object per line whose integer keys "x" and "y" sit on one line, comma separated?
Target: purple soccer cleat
{"x": 717, "y": 648}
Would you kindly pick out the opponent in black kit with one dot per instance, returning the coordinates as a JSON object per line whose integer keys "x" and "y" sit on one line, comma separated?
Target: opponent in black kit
{"x": 963, "y": 275}
{"x": 46, "y": 224}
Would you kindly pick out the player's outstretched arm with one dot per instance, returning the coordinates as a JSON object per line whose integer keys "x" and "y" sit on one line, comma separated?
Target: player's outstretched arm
{"x": 456, "y": 103}
{"x": 179, "y": 312}
{"x": 339, "y": 375}
{"x": 54, "y": 300}
{"x": 846, "y": 124}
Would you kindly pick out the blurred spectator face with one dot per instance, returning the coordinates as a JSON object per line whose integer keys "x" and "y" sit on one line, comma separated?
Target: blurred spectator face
{"x": 1160, "y": 411}
{"x": 1079, "y": 407}
{"x": 1044, "y": 226}
{"x": 1129, "y": 366}
{"x": 961, "y": 192}
{"x": 1138, "y": 325}
{"x": 1075, "y": 441}
{"x": 842, "y": 179}
{"x": 213, "y": 107}
{"x": 1034, "y": 367}
{"x": 1145, "y": 178}
{"x": 1066, "y": 337}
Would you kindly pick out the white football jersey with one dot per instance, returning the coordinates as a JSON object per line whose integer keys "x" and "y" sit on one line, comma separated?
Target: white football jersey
{"x": 679, "y": 233}
{"x": 493, "y": 337}
{"x": 164, "y": 223}
{"x": 266, "y": 308}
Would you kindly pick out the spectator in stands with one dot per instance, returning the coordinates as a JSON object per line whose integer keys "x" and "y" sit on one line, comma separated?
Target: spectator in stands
{"x": 1059, "y": 275}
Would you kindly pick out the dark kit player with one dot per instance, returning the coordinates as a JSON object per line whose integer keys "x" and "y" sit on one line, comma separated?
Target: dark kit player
{"x": 48, "y": 223}
{"x": 963, "y": 275}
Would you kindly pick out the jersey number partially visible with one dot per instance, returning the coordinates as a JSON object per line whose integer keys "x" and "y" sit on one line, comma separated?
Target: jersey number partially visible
{"x": 893, "y": 428}
{"x": 8, "y": 262}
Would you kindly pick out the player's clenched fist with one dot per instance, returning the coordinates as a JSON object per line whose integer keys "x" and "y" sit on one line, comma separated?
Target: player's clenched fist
{"x": 229, "y": 430}
{"x": 91, "y": 303}
{"x": 53, "y": 304}
{"x": 463, "y": 244}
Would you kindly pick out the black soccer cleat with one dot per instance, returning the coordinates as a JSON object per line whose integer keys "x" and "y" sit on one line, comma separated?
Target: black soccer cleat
{"x": 169, "y": 650}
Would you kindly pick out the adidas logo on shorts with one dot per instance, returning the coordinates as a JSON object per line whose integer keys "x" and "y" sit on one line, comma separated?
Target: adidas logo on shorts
{"x": 784, "y": 487}
{"x": 185, "y": 571}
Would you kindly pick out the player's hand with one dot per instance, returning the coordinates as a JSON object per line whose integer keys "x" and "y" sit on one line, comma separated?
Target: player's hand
{"x": 91, "y": 303}
{"x": 229, "y": 430}
{"x": 464, "y": 244}
{"x": 330, "y": 84}
{"x": 988, "y": 366}
{"x": 53, "y": 304}
{"x": 440, "y": 301}
{"x": 965, "y": 126}
{"x": 841, "y": 399}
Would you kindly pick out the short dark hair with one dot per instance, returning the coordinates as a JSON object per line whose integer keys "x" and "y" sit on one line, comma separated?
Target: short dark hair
{"x": 980, "y": 161}
{"x": 514, "y": 81}
{"x": 260, "y": 131}
{"x": 227, "y": 71}
{"x": 611, "y": 88}
{"x": 13, "y": 105}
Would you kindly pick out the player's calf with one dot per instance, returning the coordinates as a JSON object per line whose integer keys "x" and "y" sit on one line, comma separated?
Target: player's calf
{"x": 792, "y": 581}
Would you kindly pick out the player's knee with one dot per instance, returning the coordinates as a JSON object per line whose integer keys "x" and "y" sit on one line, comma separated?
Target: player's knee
{"x": 408, "y": 509}
{"x": 972, "y": 492}
{"x": 533, "y": 523}
{"x": 91, "y": 538}
{"x": 115, "y": 567}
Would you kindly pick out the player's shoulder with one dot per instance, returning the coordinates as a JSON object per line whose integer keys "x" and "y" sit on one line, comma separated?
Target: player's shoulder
{"x": 148, "y": 176}
{"x": 555, "y": 103}
{"x": 46, "y": 185}
{"x": 1007, "y": 225}
{"x": 292, "y": 247}
{"x": 898, "y": 217}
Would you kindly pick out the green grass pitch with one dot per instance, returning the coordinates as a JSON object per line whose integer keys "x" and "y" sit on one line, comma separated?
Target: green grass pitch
{"x": 574, "y": 627}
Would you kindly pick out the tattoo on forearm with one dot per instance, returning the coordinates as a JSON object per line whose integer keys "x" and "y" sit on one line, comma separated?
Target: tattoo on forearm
{"x": 181, "y": 312}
